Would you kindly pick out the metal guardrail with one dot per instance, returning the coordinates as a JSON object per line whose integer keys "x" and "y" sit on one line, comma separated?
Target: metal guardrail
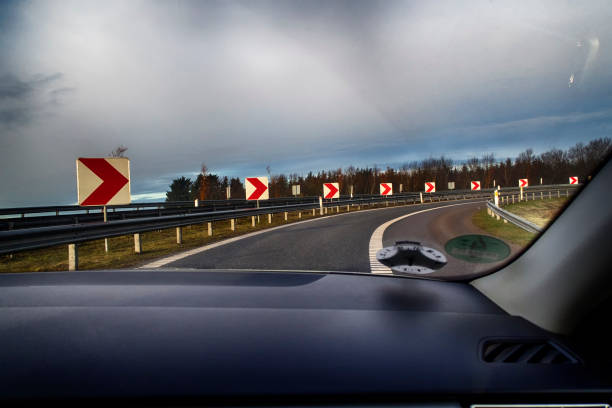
{"x": 33, "y": 238}
{"x": 513, "y": 218}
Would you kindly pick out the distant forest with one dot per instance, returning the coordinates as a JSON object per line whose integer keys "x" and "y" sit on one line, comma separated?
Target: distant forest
{"x": 554, "y": 167}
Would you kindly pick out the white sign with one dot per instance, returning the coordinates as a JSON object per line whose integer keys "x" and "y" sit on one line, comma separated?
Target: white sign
{"x": 257, "y": 188}
{"x": 295, "y": 189}
{"x": 386, "y": 189}
{"x": 451, "y": 185}
{"x": 103, "y": 181}
{"x": 331, "y": 190}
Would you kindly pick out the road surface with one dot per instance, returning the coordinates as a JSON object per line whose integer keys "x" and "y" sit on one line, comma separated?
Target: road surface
{"x": 341, "y": 242}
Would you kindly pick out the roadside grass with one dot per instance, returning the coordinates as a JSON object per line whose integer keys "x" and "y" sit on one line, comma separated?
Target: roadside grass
{"x": 155, "y": 244}
{"x": 506, "y": 231}
{"x": 540, "y": 212}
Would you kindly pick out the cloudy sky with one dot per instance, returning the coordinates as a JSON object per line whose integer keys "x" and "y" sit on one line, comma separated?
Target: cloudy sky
{"x": 240, "y": 85}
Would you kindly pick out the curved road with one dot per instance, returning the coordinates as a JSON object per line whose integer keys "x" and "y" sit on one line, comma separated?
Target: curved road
{"x": 341, "y": 242}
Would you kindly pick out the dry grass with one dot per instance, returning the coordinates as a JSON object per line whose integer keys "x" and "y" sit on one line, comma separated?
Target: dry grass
{"x": 155, "y": 244}
{"x": 506, "y": 231}
{"x": 540, "y": 212}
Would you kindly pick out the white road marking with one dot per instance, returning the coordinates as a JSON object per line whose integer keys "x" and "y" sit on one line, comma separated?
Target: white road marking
{"x": 165, "y": 261}
{"x": 376, "y": 240}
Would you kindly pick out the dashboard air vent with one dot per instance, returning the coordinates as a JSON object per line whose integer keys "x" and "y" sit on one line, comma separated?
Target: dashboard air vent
{"x": 525, "y": 351}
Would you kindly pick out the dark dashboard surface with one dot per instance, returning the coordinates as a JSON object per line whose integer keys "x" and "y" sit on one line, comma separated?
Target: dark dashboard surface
{"x": 192, "y": 334}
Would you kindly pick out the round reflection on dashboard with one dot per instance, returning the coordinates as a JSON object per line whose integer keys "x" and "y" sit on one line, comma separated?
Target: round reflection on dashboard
{"x": 477, "y": 248}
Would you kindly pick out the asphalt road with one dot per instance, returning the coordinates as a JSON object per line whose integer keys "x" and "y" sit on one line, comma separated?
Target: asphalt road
{"x": 340, "y": 243}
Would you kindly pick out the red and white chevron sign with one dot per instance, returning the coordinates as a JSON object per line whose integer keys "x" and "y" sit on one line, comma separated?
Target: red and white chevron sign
{"x": 475, "y": 185}
{"x": 523, "y": 183}
{"x": 573, "y": 180}
{"x": 257, "y": 188}
{"x": 430, "y": 187}
{"x": 331, "y": 190}
{"x": 386, "y": 189}
{"x": 103, "y": 181}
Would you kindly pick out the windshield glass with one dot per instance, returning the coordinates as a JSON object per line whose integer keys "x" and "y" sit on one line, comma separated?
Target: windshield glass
{"x": 417, "y": 138}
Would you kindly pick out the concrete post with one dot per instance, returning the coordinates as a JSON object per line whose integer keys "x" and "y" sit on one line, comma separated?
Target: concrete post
{"x": 549, "y": 194}
{"x": 73, "y": 257}
{"x": 233, "y": 224}
{"x": 337, "y": 209}
{"x": 252, "y": 221}
{"x": 137, "y": 244}
{"x": 320, "y": 206}
{"x": 313, "y": 212}
{"x": 179, "y": 235}
{"x": 558, "y": 193}
{"x": 567, "y": 193}
{"x": 421, "y": 194}
{"x": 270, "y": 218}
{"x": 532, "y": 196}
{"x": 210, "y": 229}
{"x": 286, "y": 215}
{"x": 299, "y": 214}
{"x": 521, "y": 194}
{"x": 348, "y": 208}
{"x": 196, "y": 203}
{"x": 541, "y": 195}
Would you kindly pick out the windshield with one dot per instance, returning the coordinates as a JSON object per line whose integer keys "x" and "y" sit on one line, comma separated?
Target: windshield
{"x": 415, "y": 138}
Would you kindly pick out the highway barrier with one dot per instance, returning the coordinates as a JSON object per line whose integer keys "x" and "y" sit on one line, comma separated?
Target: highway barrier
{"x": 23, "y": 239}
{"x": 507, "y": 216}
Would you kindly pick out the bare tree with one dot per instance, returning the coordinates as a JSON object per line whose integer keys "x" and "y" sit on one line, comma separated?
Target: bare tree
{"x": 119, "y": 151}
{"x": 203, "y": 171}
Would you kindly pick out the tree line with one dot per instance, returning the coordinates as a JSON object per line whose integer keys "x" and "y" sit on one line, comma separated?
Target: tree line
{"x": 553, "y": 167}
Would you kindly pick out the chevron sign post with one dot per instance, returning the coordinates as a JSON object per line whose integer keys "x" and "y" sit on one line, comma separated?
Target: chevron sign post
{"x": 386, "y": 189}
{"x": 430, "y": 187}
{"x": 331, "y": 190}
{"x": 573, "y": 180}
{"x": 257, "y": 188}
{"x": 475, "y": 185}
{"x": 103, "y": 181}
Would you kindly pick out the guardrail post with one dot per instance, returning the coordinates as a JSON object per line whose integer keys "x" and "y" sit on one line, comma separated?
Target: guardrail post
{"x": 270, "y": 218}
{"x": 252, "y": 220}
{"x": 337, "y": 208}
{"x": 567, "y": 193}
{"x": 549, "y": 194}
{"x": 179, "y": 235}
{"x": 233, "y": 224}
{"x": 73, "y": 257}
{"x": 313, "y": 212}
{"x": 558, "y": 193}
{"x": 299, "y": 214}
{"x": 421, "y": 195}
{"x": 210, "y": 229}
{"x": 137, "y": 244}
{"x": 285, "y": 215}
{"x": 196, "y": 203}
{"x": 541, "y": 195}
{"x": 532, "y": 196}
{"x": 348, "y": 208}
{"x": 105, "y": 239}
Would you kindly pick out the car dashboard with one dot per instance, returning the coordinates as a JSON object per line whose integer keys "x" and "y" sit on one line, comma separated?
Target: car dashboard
{"x": 243, "y": 338}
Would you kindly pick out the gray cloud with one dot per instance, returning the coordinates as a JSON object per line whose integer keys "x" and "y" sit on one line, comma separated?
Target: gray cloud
{"x": 297, "y": 85}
